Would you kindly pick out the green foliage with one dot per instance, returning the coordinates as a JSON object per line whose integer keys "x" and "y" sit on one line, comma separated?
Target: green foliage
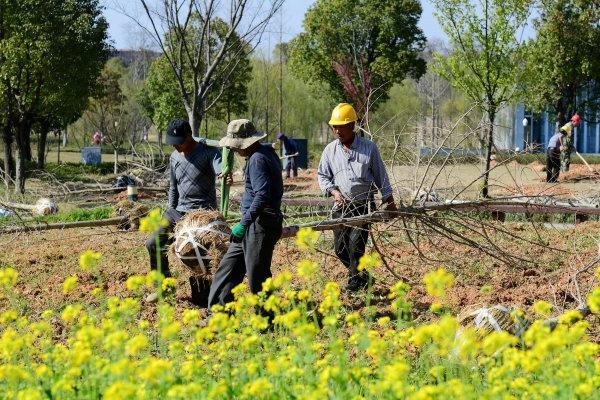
{"x": 78, "y": 171}
{"x": 75, "y": 215}
{"x": 159, "y": 97}
{"x": 304, "y": 112}
{"x": 485, "y": 59}
{"x": 78, "y": 214}
{"x": 486, "y": 55}
{"x": 564, "y": 58}
{"x": 52, "y": 51}
{"x": 359, "y": 49}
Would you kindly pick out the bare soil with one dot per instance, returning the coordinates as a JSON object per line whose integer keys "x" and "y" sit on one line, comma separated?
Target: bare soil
{"x": 45, "y": 259}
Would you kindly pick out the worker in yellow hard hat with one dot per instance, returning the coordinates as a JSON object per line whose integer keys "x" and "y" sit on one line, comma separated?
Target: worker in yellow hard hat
{"x": 351, "y": 171}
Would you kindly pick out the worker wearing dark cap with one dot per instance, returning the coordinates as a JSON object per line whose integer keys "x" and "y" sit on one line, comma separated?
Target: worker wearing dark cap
{"x": 193, "y": 170}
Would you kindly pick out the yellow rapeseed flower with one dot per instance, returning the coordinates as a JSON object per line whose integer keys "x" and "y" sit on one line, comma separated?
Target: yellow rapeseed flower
{"x": 369, "y": 261}
{"x": 153, "y": 222}
{"x": 258, "y": 388}
{"x": 8, "y": 277}
{"x": 437, "y": 282}
{"x": 497, "y": 341}
{"x": 190, "y": 316}
{"x": 121, "y": 390}
{"x": 168, "y": 286}
{"x": 30, "y": 394}
{"x": 135, "y": 282}
{"x": 306, "y": 268}
{"x": 8, "y": 316}
{"x": 306, "y": 238}
{"x": 136, "y": 344}
{"x": 593, "y": 300}
{"x": 88, "y": 260}
{"x": 69, "y": 284}
{"x": 570, "y": 317}
{"x": 542, "y": 308}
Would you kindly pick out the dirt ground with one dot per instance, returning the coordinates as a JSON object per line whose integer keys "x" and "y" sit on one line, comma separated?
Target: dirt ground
{"x": 45, "y": 259}
{"x": 543, "y": 267}
{"x": 462, "y": 180}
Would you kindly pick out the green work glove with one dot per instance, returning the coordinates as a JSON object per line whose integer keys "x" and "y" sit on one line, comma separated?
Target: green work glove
{"x": 238, "y": 231}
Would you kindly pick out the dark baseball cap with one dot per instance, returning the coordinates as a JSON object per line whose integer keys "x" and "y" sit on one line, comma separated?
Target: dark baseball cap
{"x": 177, "y": 131}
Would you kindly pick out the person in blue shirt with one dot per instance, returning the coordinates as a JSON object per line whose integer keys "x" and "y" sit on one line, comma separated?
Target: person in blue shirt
{"x": 290, "y": 151}
{"x": 253, "y": 239}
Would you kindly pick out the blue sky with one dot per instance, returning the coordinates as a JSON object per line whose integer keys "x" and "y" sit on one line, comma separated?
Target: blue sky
{"x": 121, "y": 27}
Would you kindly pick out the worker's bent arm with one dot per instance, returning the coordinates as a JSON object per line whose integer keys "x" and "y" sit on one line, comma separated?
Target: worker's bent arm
{"x": 380, "y": 175}
{"x": 259, "y": 179}
{"x": 173, "y": 193}
{"x": 216, "y": 161}
{"x": 325, "y": 176}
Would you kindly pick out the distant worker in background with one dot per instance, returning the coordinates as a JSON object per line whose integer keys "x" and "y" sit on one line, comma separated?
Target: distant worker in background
{"x": 568, "y": 141}
{"x": 96, "y": 138}
{"x": 351, "y": 171}
{"x": 194, "y": 167}
{"x": 553, "y": 156}
{"x": 290, "y": 152}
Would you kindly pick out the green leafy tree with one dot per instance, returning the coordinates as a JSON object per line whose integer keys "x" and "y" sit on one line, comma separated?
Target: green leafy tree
{"x": 359, "y": 49}
{"x": 486, "y": 59}
{"x": 305, "y": 111}
{"x": 160, "y": 97}
{"x": 51, "y": 53}
{"x": 564, "y": 59}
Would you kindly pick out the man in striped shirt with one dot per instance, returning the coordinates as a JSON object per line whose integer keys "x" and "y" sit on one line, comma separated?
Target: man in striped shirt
{"x": 351, "y": 171}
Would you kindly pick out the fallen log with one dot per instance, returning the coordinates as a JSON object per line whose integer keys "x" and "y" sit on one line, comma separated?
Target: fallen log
{"x": 113, "y": 190}
{"x": 65, "y": 225}
{"x": 374, "y": 217}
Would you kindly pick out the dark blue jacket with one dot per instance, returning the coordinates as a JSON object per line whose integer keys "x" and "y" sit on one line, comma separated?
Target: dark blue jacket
{"x": 289, "y": 146}
{"x": 264, "y": 185}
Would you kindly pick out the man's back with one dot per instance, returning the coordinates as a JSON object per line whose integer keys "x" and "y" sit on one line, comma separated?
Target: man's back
{"x": 263, "y": 179}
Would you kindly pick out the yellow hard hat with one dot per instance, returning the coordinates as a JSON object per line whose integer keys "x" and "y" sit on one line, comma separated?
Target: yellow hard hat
{"x": 343, "y": 114}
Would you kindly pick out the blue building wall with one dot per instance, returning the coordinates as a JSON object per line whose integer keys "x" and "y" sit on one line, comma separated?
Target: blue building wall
{"x": 541, "y": 127}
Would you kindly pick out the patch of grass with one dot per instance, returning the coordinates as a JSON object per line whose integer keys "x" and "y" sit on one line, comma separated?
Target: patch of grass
{"x": 72, "y": 171}
{"x": 78, "y": 214}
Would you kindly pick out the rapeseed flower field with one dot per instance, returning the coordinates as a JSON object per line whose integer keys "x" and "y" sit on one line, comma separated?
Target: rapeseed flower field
{"x": 289, "y": 341}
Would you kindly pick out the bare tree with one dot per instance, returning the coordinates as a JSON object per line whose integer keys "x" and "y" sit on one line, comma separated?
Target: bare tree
{"x": 182, "y": 30}
{"x": 433, "y": 89}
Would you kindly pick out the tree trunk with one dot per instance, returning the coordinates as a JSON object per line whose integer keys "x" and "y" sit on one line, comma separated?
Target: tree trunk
{"x": 8, "y": 138}
{"x": 22, "y": 131}
{"x": 116, "y": 165}
{"x": 27, "y": 147}
{"x": 41, "y": 148}
{"x": 488, "y": 155}
{"x": 160, "y": 139}
{"x": 195, "y": 120}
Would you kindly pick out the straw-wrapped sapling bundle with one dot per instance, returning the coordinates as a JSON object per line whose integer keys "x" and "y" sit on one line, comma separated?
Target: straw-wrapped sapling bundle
{"x": 201, "y": 240}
